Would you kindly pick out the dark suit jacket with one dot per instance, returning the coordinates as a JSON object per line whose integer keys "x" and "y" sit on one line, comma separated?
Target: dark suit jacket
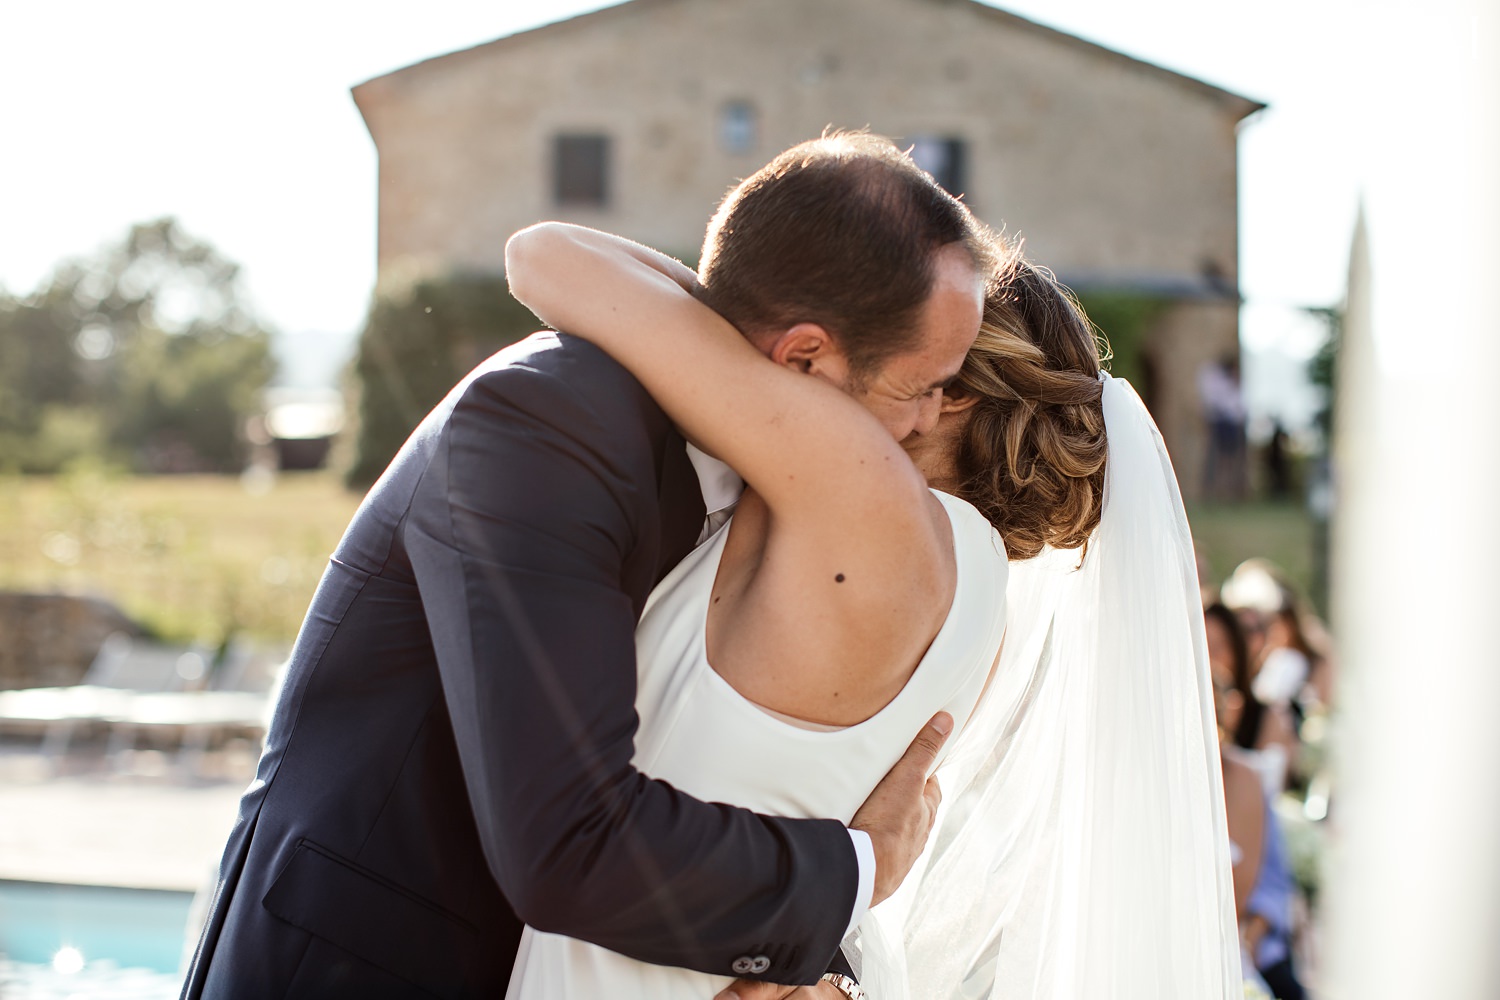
{"x": 450, "y": 756}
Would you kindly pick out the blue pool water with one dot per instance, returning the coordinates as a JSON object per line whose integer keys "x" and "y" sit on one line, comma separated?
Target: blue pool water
{"x": 130, "y": 938}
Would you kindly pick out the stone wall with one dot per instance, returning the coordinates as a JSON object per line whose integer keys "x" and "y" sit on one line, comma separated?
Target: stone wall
{"x": 49, "y": 640}
{"x": 1115, "y": 172}
{"x": 1106, "y": 165}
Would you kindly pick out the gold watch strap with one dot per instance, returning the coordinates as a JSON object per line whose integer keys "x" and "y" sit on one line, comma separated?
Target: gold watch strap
{"x": 845, "y": 985}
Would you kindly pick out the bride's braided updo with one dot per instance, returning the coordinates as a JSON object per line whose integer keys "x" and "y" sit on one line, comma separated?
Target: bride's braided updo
{"x": 1031, "y": 457}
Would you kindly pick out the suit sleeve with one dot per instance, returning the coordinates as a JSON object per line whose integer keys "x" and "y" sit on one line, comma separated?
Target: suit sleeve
{"x": 518, "y": 535}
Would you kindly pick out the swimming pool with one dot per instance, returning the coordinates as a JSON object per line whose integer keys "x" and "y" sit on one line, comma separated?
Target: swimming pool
{"x": 62, "y": 940}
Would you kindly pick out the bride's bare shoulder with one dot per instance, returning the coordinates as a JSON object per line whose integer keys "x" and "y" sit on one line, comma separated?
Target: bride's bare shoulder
{"x": 797, "y": 626}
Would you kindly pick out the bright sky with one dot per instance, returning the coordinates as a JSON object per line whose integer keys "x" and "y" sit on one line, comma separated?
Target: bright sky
{"x": 237, "y": 119}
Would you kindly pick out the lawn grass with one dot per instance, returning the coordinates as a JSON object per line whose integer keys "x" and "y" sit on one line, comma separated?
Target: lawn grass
{"x": 197, "y": 558}
{"x": 1228, "y": 534}
{"x": 192, "y": 558}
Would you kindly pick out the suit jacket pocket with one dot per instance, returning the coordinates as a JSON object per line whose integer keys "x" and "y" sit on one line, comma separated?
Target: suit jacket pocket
{"x": 373, "y": 919}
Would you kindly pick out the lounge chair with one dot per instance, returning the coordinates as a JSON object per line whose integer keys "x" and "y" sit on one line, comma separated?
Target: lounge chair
{"x": 123, "y": 670}
{"x": 237, "y": 698}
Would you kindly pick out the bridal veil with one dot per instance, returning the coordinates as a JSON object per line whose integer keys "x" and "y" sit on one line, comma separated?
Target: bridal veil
{"x": 1081, "y": 850}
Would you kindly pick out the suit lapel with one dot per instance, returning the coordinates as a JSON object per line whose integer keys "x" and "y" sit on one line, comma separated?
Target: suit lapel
{"x": 682, "y": 508}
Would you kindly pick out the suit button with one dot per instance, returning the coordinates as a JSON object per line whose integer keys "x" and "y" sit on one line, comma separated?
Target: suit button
{"x": 759, "y": 964}
{"x": 742, "y": 966}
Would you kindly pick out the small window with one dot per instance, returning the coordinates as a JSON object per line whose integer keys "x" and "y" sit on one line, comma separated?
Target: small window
{"x": 738, "y": 127}
{"x": 580, "y": 170}
{"x": 945, "y": 159}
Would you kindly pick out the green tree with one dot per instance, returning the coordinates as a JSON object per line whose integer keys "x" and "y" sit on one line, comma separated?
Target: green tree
{"x": 1124, "y": 319}
{"x": 418, "y": 341}
{"x": 1323, "y": 368}
{"x": 146, "y": 353}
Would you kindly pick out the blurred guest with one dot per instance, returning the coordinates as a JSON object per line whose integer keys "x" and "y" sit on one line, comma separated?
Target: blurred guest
{"x": 1223, "y": 404}
{"x": 1266, "y": 924}
{"x": 1255, "y": 592}
{"x": 1246, "y": 812}
{"x": 1285, "y": 664}
{"x": 1278, "y": 463}
{"x": 1322, "y": 680}
{"x": 1264, "y": 735}
{"x": 1289, "y": 648}
{"x": 1264, "y": 888}
{"x": 1244, "y": 804}
{"x": 1297, "y": 666}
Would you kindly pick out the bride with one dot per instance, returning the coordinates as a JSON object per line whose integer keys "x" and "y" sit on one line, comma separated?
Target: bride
{"x": 1081, "y": 850}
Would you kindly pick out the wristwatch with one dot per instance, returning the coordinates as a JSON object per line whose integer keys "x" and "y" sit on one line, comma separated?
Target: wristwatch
{"x": 846, "y": 986}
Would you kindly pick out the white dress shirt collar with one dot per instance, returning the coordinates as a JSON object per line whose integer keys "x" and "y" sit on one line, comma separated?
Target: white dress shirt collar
{"x": 720, "y": 484}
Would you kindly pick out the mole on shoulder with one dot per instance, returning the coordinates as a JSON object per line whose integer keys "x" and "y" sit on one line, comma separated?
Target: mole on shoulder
{"x": 839, "y": 578}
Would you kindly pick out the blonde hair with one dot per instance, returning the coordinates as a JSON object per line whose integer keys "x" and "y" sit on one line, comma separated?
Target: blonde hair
{"x": 1031, "y": 456}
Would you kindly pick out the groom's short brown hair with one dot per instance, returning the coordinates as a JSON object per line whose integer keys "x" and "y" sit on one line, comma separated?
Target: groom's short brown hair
{"x": 841, "y": 231}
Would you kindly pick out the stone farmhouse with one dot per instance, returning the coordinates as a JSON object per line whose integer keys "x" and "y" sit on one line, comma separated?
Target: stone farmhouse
{"x": 1120, "y": 175}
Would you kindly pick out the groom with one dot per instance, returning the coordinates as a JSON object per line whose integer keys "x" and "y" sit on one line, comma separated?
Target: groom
{"x": 451, "y": 753}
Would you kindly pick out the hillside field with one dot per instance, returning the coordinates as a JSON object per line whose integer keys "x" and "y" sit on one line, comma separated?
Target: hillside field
{"x": 203, "y": 557}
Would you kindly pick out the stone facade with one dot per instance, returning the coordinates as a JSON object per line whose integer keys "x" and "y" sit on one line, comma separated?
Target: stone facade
{"x": 1118, "y": 174}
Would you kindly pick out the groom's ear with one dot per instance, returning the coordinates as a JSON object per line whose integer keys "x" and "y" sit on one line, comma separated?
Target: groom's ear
{"x": 956, "y": 400}
{"x": 811, "y": 349}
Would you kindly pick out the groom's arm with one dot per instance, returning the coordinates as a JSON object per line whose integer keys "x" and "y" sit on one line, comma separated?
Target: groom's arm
{"x": 519, "y": 536}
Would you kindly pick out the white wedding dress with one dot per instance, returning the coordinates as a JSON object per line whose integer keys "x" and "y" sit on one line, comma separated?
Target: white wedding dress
{"x": 1081, "y": 849}
{"x": 701, "y": 735}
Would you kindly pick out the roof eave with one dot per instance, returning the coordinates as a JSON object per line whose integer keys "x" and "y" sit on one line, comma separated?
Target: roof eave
{"x": 1241, "y": 106}
{"x": 564, "y": 24}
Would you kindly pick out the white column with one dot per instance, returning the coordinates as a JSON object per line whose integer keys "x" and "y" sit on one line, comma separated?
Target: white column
{"x": 1415, "y": 894}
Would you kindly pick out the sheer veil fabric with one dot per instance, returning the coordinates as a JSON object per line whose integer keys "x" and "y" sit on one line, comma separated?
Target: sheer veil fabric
{"x": 1081, "y": 850}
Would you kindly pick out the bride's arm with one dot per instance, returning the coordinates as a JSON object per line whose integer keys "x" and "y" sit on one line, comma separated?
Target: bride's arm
{"x": 813, "y": 453}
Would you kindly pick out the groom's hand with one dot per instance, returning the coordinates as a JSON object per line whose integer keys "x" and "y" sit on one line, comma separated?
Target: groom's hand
{"x": 898, "y": 814}
{"x": 745, "y": 989}
{"x": 898, "y": 817}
